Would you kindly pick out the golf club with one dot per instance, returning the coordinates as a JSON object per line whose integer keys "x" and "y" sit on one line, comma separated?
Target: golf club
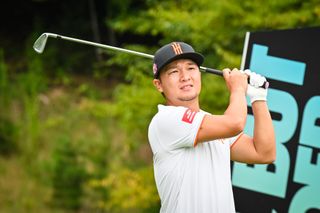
{"x": 41, "y": 42}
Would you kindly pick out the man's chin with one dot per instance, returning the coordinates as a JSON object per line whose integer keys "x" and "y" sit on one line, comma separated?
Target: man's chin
{"x": 188, "y": 98}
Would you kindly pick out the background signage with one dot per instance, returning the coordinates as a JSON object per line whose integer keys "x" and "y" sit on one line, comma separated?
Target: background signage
{"x": 290, "y": 60}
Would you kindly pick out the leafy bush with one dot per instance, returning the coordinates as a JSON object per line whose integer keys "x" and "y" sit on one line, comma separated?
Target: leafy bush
{"x": 68, "y": 177}
{"x": 128, "y": 191}
{"x": 8, "y": 130}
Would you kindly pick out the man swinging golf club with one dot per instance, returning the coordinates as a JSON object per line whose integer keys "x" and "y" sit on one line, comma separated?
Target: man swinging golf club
{"x": 192, "y": 148}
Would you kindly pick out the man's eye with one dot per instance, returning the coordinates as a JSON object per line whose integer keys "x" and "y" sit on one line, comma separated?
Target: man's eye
{"x": 173, "y": 71}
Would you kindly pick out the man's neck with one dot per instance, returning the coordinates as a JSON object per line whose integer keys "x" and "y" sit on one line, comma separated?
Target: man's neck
{"x": 193, "y": 105}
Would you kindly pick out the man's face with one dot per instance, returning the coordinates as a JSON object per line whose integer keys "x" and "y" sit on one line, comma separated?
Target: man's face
{"x": 180, "y": 81}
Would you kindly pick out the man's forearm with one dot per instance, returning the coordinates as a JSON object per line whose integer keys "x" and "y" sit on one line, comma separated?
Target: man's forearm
{"x": 237, "y": 108}
{"x": 263, "y": 136}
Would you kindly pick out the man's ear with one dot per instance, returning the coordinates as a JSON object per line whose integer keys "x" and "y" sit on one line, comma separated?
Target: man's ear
{"x": 158, "y": 85}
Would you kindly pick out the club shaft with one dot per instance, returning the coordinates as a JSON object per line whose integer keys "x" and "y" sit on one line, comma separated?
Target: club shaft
{"x": 105, "y": 46}
{"x": 203, "y": 69}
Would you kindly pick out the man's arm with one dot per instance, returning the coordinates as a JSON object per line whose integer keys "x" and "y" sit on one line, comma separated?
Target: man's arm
{"x": 261, "y": 148}
{"x": 232, "y": 122}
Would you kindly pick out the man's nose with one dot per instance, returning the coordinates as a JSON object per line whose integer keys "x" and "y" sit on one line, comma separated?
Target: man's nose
{"x": 184, "y": 75}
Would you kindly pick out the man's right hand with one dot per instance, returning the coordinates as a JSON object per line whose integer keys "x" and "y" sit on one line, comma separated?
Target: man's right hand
{"x": 235, "y": 80}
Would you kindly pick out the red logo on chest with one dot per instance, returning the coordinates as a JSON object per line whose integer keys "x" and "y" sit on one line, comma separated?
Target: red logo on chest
{"x": 189, "y": 116}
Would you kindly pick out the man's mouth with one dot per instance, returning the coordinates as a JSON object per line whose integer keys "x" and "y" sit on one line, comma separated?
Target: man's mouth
{"x": 186, "y": 87}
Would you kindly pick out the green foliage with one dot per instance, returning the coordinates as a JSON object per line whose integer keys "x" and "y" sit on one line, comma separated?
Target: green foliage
{"x": 31, "y": 84}
{"x": 214, "y": 96}
{"x": 217, "y": 28}
{"x": 3, "y": 80}
{"x": 8, "y": 135}
{"x": 135, "y": 101}
{"x": 68, "y": 177}
{"x": 128, "y": 191}
{"x": 8, "y": 131}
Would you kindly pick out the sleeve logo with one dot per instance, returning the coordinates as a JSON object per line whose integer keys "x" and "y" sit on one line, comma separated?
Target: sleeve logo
{"x": 189, "y": 116}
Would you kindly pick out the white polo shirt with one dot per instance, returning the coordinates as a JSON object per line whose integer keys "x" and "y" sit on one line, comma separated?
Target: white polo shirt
{"x": 195, "y": 179}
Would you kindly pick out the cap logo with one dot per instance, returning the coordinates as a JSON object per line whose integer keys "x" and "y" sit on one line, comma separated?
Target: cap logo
{"x": 176, "y": 48}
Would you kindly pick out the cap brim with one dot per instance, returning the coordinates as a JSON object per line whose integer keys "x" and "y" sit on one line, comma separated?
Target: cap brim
{"x": 194, "y": 56}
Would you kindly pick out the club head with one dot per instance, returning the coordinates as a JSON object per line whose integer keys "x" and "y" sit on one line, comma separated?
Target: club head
{"x": 40, "y": 43}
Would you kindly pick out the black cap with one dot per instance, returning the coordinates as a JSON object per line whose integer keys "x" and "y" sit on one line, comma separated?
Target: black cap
{"x": 174, "y": 51}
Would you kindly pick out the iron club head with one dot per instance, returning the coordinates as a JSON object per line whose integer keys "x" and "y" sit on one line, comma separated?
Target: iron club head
{"x": 41, "y": 42}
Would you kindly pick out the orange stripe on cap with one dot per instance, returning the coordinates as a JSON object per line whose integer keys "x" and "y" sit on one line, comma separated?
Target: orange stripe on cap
{"x": 176, "y": 48}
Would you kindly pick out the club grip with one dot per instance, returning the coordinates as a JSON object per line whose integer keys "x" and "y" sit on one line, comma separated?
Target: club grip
{"x": 212, "y": 71}
{"x": 219, "y": 72}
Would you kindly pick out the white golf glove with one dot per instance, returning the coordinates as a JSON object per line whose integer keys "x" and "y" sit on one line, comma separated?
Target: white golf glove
{"x": 255, "y": 92}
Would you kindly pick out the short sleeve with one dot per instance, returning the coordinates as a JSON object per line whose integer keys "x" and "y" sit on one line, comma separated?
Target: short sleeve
{"x": 234, "y": 139}
{"x": 175, "y": 127}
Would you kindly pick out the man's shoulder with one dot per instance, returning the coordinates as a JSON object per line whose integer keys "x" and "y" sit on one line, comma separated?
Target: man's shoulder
{"x": 169, "y": 111}
{"x": 168, "y": 108}
{"x": 168, "y": 115}
{"x": 175, "y": 115}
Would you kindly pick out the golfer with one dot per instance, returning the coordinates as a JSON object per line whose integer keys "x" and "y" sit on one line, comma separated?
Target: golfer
{"x": 192, "y": 148}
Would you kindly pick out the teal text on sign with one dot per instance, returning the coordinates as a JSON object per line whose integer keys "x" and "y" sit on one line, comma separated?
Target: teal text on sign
{"x": 272, "y": 67}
